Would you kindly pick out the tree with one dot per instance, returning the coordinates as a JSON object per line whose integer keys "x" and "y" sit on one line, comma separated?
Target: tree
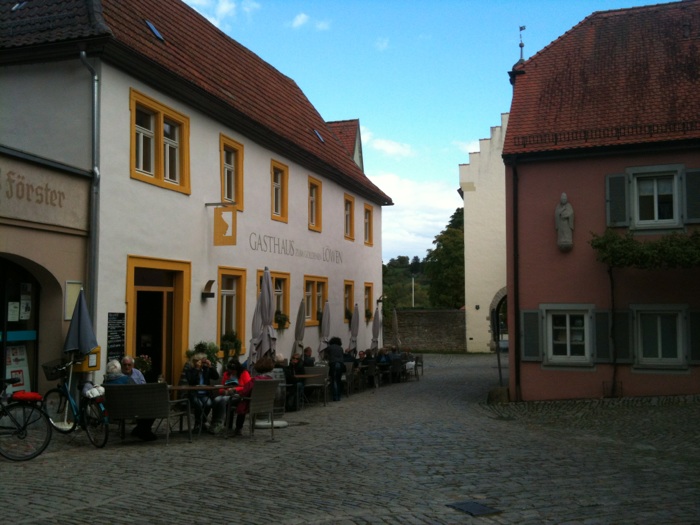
{"x": 444, "y": 265}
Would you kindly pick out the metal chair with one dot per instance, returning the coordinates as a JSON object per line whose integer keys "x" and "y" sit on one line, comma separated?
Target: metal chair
{"x": 318, "y": 384}
{"x": 262, "y": 401}
{"x": 348, "y": 378}
{"x": 419, "y": 364}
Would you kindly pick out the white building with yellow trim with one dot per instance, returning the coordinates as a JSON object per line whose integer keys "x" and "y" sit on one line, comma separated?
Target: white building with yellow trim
{"x": 162, "y": 167}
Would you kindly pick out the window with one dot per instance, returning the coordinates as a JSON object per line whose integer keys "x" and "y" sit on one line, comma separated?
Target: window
{"x": 315, "y": 204}
{"x": 232, "y": 302}
{"x": 231, "y": 171}
{"x": 280, "y": 288}
{"x": 653, "y": 197}
{"x": 315, "y": 296}
{"x": 159, "y": 144}
{"x": 369, "y": 232}
{"x": 349, "y": 300}
{"x": 349, "y": 219}
{"x": 280, "y": 177}
{"x": 568, "y": 334}
{"x": 659, "y": 333}
{"x": 369, "y": 301}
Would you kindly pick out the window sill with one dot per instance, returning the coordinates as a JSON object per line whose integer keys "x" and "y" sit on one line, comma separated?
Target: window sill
{"x": 661, "y": 369}
{"x": 569, "y": 365}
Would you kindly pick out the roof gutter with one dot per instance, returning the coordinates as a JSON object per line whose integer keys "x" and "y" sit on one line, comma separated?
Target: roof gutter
{"x": 95, "y": 193}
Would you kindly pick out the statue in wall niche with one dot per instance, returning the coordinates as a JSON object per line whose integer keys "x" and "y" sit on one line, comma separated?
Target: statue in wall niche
{"x": 564, "y": 224}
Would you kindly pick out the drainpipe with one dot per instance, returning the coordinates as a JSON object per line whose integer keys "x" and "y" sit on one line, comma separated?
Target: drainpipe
{"x": 95, "y": 193}
{"x": 516, "y": 283}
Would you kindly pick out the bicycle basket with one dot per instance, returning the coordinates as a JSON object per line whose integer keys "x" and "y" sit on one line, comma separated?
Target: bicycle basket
{"x": 51, "y": 370}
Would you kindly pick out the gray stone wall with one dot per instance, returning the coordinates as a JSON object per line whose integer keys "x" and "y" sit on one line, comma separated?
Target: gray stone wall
{"x": 429, "y": 330}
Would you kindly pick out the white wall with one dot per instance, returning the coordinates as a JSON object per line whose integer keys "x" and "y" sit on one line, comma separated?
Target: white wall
{"x": 483, "y": 182}
{"x": 141, "y": 219}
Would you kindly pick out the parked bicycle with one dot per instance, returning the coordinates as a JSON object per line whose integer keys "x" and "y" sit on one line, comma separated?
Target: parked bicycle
{"x": 25, "y": 430}
{"x": 66, "y": 414}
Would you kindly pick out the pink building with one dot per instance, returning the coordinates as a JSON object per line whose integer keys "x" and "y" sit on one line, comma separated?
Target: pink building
{"x": 608, "y": 114}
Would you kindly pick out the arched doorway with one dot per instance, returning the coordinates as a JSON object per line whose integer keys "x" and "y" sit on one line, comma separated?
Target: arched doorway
{"x": 19, "y": 327}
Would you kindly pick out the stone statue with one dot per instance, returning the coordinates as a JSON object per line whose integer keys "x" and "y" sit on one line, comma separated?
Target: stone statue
{"x": 564, "y": 224}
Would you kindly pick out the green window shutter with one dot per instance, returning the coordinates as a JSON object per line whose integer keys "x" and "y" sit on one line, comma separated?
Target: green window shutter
{"x": 692, "y": 196}
{"x": 616, "y": 201}
{"x": 531, "y": 339}
{"x": 694, "y": 356}
{"x": 623, "y": 337}
{"x": 602, "y": 350}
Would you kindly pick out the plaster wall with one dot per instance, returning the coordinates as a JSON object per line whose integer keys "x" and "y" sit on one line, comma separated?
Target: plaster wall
{"x": 47, "y": 110}
{"x": 483, "y": 184}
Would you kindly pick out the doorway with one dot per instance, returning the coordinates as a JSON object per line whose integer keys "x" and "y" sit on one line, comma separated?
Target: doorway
{"x": 158, "y": 314}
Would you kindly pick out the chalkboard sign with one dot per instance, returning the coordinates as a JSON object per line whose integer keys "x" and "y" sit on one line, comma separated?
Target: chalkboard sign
{"x": 115, "y": 335}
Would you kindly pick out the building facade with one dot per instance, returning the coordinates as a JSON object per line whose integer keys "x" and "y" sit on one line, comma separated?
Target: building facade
{"x": 482, "y": 182}
{"x": 164, "y": 166}
{"x": 602, "y": 142}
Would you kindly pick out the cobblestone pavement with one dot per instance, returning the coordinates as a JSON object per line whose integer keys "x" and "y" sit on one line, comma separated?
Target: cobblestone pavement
{"x": 397, "y": 455}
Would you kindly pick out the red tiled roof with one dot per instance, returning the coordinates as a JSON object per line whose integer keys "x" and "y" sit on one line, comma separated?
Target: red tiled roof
{"x": 346, "y": 131}
{"x": 628, "y": 76}
{"x": 214, "y": 66}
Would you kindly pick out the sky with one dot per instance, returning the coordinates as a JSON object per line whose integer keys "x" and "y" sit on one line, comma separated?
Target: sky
{"x": 426, "y": 79}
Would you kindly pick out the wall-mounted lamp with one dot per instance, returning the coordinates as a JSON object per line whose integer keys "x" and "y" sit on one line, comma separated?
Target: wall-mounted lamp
{"x": 207, "y": 293}
{"x": 380, "y": 300}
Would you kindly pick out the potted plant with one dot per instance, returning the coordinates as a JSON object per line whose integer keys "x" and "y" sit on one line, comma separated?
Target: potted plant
{"x": 281, "y": 320}
{"x": 209, "y": 348}
{"x": 143, "y": 363}
{"x": 368, "y": 315}
{"x": 230, "y": 345}
{"x": 348, "y": 315}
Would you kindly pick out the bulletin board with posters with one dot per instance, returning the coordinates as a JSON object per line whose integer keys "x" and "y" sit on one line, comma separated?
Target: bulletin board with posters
{"x": 17, "y": 366}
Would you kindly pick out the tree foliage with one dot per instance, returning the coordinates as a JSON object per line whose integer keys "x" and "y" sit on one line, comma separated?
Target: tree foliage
{"x": 444, "y": 265}
{"x": 676, "y": 250}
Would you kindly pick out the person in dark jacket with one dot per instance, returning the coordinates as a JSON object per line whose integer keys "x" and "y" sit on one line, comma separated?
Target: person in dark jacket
{"x": 336, "y": 365}
{"x": 201, "y": 372}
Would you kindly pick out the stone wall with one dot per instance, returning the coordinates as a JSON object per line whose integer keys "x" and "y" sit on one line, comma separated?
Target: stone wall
{"x": 429, "y": 330}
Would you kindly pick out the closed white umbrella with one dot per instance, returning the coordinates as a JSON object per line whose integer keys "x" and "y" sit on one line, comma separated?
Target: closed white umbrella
{"x": 354, "y": 329}
{"x": 299, "y": 329}
{"x": 376, "y": 325}
{"x": 325, "y": 329}
{"x": 264, "y": 335}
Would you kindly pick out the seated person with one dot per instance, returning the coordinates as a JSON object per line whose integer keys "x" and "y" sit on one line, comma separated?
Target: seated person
{"x": 308, "y": 359}
{"x": 263, "y": 367}
{"x": 295, "y": 388}
{"x": 234, "y": 379}
{"x": 201, "y": 372}
{"x": 115, "y": 376}
{"x": 129, "y": 370}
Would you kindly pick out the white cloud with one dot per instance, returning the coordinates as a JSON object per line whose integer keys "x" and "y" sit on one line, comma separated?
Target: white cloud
{"x": 323, "y": 25}
{"x": 381, "y": 44}
{"x": 249, "y": 6}
{"x": 467, "y": 147}
{"x": 225, "y": 8}
{"x": 421, "y": 211}
{"x": 392, "y": 148}
{"x": 300, "y": 20}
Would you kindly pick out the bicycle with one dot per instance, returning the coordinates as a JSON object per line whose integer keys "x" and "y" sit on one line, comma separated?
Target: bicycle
{"x": 25, "y": 430}
{"x": 65, "y": 414}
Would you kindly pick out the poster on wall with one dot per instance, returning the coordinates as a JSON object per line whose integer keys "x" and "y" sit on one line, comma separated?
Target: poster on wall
{"x": 16, "y": 365}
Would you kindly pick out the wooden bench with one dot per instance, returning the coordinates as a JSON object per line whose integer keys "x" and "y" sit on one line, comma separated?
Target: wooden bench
{"x": 149, "y": 401}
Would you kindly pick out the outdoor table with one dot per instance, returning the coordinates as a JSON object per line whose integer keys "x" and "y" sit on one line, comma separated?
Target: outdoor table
{"x": 196, "y": 388}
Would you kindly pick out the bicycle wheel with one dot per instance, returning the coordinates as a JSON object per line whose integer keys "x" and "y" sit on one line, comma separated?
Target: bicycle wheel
{"x": 59, "y": 410}
{"x": 95, "y": 423}
{"x": 25, "y": 431}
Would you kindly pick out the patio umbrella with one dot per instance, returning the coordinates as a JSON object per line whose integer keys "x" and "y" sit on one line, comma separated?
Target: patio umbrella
{"x": 325, "y": 329}
{"x": 395, "y": 329}
{"x": 354, "y": 329}
{"x": 299, "y": 329}
{"x": 81, "y": 335}
{"x": 375, "y": 331}
{"x": 265, "y": 338}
